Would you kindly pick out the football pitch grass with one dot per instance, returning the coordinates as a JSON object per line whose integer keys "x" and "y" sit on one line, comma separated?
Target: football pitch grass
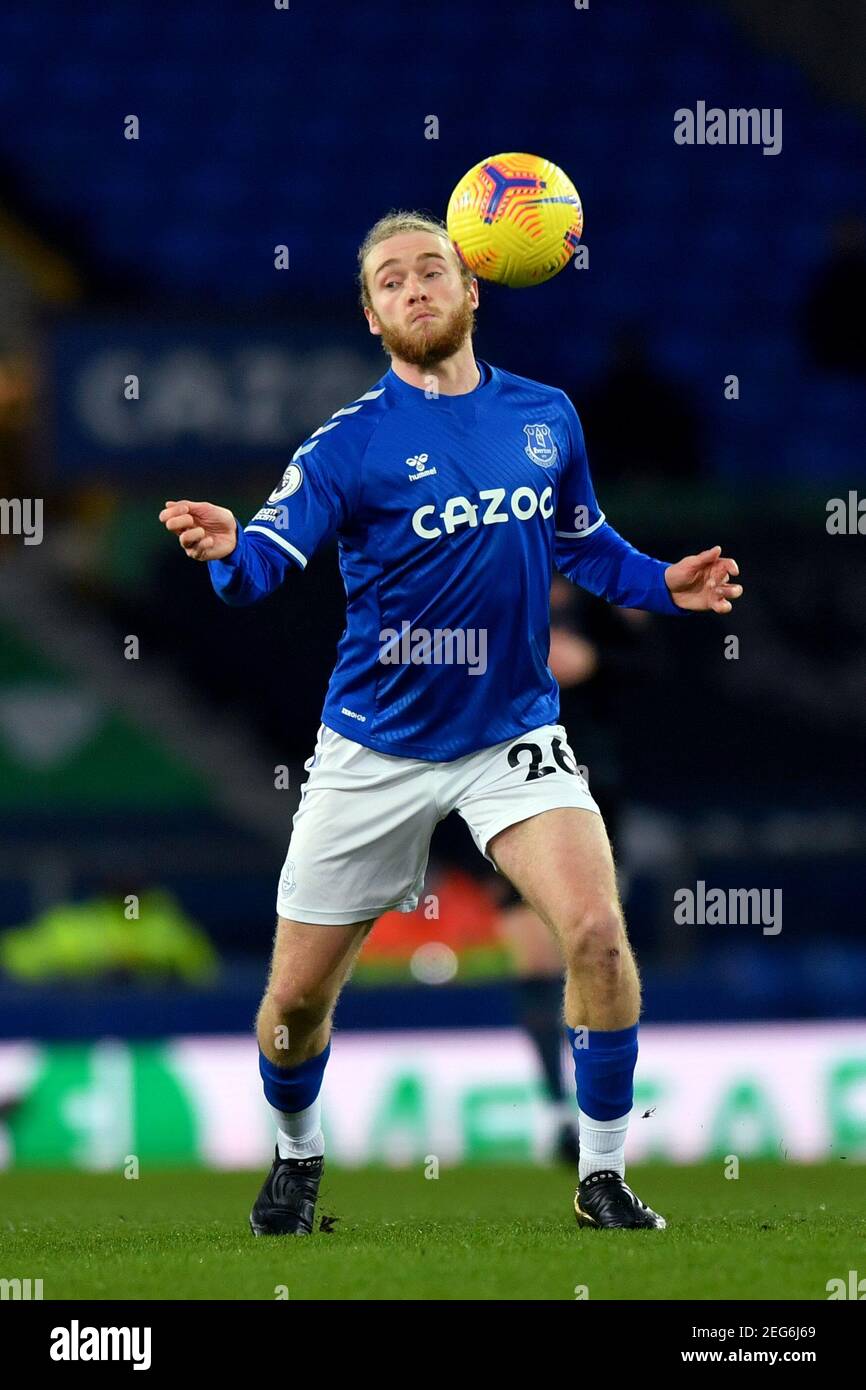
{"x": 779, "y": 1231}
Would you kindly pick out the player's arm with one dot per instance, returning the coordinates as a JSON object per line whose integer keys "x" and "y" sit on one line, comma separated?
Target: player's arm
{"x": 607, "y": 565}
{"x": 315, "y": 499}
{"x": 591, "y": 553}
{"x": 242, "y": 568}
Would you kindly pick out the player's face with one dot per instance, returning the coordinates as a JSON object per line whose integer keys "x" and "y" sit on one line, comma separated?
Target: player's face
{"x": 420, "y": 306}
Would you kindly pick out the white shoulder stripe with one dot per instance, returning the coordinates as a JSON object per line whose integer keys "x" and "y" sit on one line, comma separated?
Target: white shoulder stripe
{"x": 313, "y": 440}
{"x": 272, "y": 535}
{"x": 335, "y": 421}
{"x": 304, "y": 449}
{"x": 353, "y": 409}
{"x": 578, "y": 535}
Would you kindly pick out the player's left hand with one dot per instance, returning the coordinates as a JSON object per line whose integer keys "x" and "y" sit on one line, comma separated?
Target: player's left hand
{"x": 701, "y": 582}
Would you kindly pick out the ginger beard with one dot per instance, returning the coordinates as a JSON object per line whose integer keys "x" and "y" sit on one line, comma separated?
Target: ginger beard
{"x": 429, "y": 342}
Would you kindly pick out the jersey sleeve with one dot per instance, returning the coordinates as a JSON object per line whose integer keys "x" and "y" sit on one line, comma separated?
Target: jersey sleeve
{"x": 318, "y": 492}
{"x": 315, "y": 499}
{"x": 577, "y": 512}
{"x": 588, "y": 551}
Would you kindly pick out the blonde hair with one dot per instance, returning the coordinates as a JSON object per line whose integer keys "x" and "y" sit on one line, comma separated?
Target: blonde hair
{"x": 394, "y": 222}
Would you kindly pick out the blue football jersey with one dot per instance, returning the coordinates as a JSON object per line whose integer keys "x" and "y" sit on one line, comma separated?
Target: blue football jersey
{"x": 450, "y": 514}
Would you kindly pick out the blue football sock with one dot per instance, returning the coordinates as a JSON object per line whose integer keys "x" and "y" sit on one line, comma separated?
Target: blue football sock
{"x": 293, "y": 1088}
{"x": 604, "y": 1070}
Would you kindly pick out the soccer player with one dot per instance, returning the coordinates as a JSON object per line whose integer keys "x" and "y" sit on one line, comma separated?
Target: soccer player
{"x": 454, "y": 488}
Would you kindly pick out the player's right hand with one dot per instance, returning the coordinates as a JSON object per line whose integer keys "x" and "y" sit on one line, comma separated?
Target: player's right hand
{"x": 205, "y": 532}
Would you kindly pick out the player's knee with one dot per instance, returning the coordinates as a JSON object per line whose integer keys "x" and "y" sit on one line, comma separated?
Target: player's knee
{"x": 299, "y": 1004}
{"x": 594, "y": 937}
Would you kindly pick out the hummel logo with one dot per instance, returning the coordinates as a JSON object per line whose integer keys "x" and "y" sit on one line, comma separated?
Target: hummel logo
{"x": 417, "y": 461}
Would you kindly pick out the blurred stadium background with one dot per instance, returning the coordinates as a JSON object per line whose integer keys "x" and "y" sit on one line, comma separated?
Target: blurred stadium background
{"x": 144, "y": 728}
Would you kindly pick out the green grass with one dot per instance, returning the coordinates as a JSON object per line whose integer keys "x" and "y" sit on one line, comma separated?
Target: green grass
{"x": 779, "y": 1231}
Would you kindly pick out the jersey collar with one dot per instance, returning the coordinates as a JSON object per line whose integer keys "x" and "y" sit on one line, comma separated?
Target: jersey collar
{"x": 465, "y": 401}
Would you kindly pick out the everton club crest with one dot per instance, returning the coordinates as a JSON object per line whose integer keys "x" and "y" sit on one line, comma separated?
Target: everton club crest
{"x": 287, "y": 879}
{"x": 540, "y": 445}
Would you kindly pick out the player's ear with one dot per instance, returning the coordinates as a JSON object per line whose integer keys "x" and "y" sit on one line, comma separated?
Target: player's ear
{"x": 373, "y": 322}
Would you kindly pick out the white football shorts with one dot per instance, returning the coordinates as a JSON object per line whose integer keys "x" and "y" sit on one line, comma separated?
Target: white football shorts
{"x": 361, "y": 834}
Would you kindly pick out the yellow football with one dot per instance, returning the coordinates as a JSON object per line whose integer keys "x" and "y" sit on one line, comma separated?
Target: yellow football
{"x": 515, "y": 219}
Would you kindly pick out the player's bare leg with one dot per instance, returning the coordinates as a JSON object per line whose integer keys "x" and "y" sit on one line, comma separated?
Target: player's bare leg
{"x": 309, "y": 966}
{"x": 561, "y": 863}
